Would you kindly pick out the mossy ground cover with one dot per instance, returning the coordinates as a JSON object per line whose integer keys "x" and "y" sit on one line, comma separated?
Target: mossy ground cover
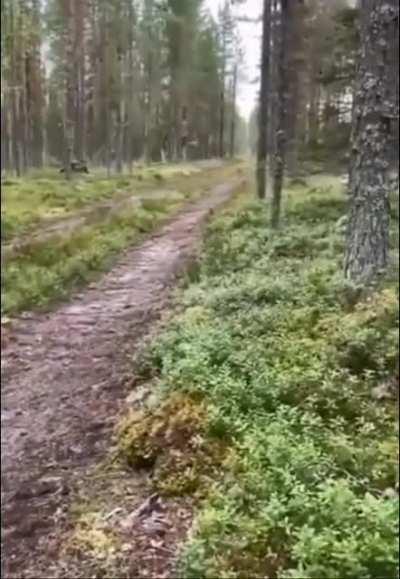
{"x": 32, "y": 200}
{"x": 46, "y": 272}
{"x": 280, "y": 359}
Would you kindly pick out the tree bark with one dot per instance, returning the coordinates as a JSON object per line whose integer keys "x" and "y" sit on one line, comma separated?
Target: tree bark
{"x": 131, "y": 88}
{"x": 120, "y": 136}
{"x": 35, "y": 79}
{"x": 79, "y": 57}
{"x": 69, "y": 120}
{"x": 5, "y": 137}
{"x": 23, "y": 128}
{"x": 313, "y": 114}
{"x": 233, "y": 118}
{"x": 281, "y": 134}
{"x": 296, "y": 74}
{"x": 14, "y": 92}
{"x": 262, "y": 149}
{"x": 222, "y": 119}
{"x": 368, "y": 232}
{"x": 273, "y": 105}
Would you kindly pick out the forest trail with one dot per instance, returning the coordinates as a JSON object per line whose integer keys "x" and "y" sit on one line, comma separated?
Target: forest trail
{"x": 61, "y": 374}
{"x": 56, "y": 228}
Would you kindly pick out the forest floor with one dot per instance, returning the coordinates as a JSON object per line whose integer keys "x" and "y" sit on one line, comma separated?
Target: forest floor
{"x": 262, "y": 415}
{"x": 59, "y": 236}
{"x": 44, "y": 198}
{"x": 64, "y": 385}
{"x": 250, "y": 430}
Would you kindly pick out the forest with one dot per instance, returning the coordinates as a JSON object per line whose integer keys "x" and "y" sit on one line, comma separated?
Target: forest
{"x": 112, "y": 82}
{"x": 200, "y": 289}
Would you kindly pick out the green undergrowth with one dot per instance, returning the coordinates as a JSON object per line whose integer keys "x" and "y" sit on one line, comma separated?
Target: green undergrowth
{"x": 284, "y": 359}
{"x": 46, "y": 271}
{"x": 29, "y": 201}
{"x": 50, "y": 271}
{"x": 172, "y": 440}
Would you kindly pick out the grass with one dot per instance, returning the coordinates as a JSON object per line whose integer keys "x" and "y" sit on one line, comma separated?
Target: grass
{"x": 36, "y": 279}
{"x": 46, "y": 272}
{"x": 281, "y": 359}
{"x": 29, "y": 201}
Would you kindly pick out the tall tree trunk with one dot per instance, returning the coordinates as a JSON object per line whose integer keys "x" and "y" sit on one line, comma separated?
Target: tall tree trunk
{"x": 184, "y": 132}
{"x": 79, "y": 57}
{"x": 222, "y": 120}
{"x": 131, "y": 88}
{"x": 313, "y": 113}
{"x": 120, "y": 136}
{"x": 233, "y": 117}
{"x": 106, "y": 78}
{"x": 14, "y": 94}
{"x": 93, "y": 84}
{"x": 5, "y": 136}
{"x": 293, "y": 130}
{"x": 264, "y": 102}
{"x": 273, "y": 105}
{"x": 35, "y": 82}
{"x": 22, "y": 90}
{"x": 281, "y": 134}
{"x": 148, "y": 129}
{"x": 69, "y": 119}
{"x": 368, "y": 232}
{"x": 295, "y": 70}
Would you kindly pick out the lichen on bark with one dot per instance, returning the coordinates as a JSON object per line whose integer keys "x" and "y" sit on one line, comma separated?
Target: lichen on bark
{"x": 368, "y": 232}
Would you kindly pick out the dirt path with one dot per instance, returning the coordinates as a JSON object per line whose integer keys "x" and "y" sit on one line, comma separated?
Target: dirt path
{"x": 61, "y": 377}
{"x": 62, "y": 227}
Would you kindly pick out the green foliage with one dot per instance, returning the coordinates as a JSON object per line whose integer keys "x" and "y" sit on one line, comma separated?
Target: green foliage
{"x": 28, "y": 201}
{"x": 170, "y": 439}
{"x": 43, "y": 195}
{"x": 50, "y": 271}
{"x": 285, "y": 355}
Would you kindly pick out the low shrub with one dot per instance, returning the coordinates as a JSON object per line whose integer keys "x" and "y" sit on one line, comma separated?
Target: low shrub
{"x": 284, "y": 356}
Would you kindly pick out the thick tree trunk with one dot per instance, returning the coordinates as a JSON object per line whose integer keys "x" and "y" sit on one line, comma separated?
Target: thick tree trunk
{"x": 368, "y": 231}
{"x": 281, "y": 134}
{"x": 262, "y": 148}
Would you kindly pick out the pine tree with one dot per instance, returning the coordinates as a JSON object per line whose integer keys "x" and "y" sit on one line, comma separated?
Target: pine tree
{"x": 264, "y": 104}
{"x": 286, "y": 11}
{"x": 375, "y": 107}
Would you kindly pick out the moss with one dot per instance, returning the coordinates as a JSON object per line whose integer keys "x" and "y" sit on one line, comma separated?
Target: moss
{"x": 170, "y": 439}
{"x": 93, "y": 537}
{"x": 366, "y": 339}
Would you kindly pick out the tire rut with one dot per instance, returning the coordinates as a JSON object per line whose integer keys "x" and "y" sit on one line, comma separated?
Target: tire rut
{"x": 62, "y": 388}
